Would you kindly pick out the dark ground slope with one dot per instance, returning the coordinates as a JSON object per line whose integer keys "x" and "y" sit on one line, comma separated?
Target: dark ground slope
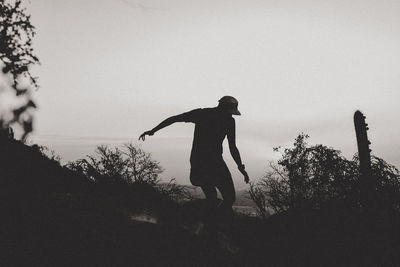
{"x": 52, "y": 217}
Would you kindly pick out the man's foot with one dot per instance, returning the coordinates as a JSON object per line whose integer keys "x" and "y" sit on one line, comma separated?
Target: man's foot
{"x": 225, "y": 213}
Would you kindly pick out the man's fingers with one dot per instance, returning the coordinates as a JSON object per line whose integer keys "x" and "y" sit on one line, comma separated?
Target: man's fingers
{"x": 143, "y": 135}
{"x": 246, "y": 178}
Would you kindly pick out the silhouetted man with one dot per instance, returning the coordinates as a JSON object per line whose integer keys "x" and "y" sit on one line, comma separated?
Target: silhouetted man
{"x": 208, "y": 169}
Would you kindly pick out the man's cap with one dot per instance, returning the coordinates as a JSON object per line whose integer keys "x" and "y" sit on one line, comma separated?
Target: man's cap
{"x": 230, "y": 104}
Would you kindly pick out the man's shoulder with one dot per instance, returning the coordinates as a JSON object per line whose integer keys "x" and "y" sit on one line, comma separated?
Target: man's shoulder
{"x": 206, "y": 109}
{"x": 193, "y": 115}
{"x": 195, "y": 112}
{"x": 203, "y": 111}
{"x": 209, "y": 113}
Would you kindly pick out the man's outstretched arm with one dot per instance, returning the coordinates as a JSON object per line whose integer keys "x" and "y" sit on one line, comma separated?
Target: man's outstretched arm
{"x": 235, "y": 152}
{"x": 163, "y": 124}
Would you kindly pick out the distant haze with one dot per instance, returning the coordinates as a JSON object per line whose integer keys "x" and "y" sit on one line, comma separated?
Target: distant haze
{"x": 112, "y": 69}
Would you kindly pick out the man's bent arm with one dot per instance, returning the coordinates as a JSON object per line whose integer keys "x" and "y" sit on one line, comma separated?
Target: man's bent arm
{"x": 167, "y": 122}
{"x": 236, "y": 156}
{"x": 235, "y": 152}
{"x": 232, "y": 146}
{"x": 163, "y": 124}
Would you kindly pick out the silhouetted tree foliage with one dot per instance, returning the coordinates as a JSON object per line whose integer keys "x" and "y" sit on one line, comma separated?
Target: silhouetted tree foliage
{"x": 317, "y": 177}
{"x": 16, "y": 55}
{"x": 259, "y": 197}
{"x": 129, "y": 166}
{"x": 119, "y": 165}
{"x": 388, "y": 184}
{"x": 48, "y": 153}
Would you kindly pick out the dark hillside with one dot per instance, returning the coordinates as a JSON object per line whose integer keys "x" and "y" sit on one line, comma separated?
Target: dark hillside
{"x": 26, "y": 168}
{"x": 51, "y": 216}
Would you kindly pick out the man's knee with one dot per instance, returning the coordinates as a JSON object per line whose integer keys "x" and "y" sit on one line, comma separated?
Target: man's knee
{"x": 229, "y": 196}
{"x": 209, "y": 192}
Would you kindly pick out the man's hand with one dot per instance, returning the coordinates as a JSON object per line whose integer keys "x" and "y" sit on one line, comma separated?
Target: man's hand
{"x": 243, "y": 171}
{"x": 246, "y": 176}
{"x": 143, "y": 135}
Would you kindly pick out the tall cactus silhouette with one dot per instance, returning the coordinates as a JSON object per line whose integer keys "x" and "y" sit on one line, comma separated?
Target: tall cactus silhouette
{"x": 364, "y": 153}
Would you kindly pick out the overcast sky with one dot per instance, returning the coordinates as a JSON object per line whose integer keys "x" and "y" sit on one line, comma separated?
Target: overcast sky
{"x": 112, "y": 69}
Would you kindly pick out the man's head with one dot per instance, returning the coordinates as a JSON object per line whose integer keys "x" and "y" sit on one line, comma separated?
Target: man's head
{"x": 229, "y": 104}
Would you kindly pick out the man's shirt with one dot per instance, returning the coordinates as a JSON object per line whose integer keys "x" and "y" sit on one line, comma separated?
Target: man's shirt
{"x": 211, "y": 127}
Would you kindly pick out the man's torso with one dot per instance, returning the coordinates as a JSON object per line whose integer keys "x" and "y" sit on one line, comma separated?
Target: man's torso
{"x": 211, "y": 127}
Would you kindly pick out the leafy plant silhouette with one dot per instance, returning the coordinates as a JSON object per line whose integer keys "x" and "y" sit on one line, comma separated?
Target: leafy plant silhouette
{"x": 128, "y": 168}
{"x": 119, "y": 165}
{"x": 317, "y": 177}
{"x": 17, "y": 56}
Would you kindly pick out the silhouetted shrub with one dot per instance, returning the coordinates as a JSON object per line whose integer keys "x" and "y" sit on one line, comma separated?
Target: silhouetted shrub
{"x": 128, "y": 164}
{"x": 388, "y": 184}
{"x": 131, "y": 173}
{"x": 259, "y": 197}
{"x": 317, "y": 177}
{"x": 16, "y": 56}
{"x": 47, "y": 152}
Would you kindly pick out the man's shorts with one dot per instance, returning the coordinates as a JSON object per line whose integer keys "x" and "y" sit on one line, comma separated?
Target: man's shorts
{"x": 209, "y": 172}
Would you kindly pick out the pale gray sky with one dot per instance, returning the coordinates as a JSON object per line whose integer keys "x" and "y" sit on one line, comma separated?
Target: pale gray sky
{"x": 114, "y": 68}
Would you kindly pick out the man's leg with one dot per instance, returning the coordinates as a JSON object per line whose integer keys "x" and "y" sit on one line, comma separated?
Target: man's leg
{"x": 228, "y": 194}
{"x": 227, "y": 189}
{"x": 211, "y": 194}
